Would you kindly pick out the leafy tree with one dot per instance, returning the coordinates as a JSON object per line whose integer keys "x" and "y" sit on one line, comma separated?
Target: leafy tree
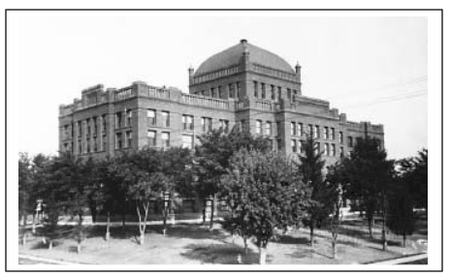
{"x": 368, "y": 177}
{"x": 414, "y": 171}
{"x": 310, "y": 169}
{"x": 400, "y": 219}
{"x": 26, "y": 188}
{"x": 213, "y": 159}
{"x": 263, "y": 193}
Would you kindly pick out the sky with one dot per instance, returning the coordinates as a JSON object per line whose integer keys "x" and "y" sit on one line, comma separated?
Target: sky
{"x": 371, "y": 66}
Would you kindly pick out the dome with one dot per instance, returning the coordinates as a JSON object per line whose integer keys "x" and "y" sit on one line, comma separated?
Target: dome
{"x": 234, "y": 55}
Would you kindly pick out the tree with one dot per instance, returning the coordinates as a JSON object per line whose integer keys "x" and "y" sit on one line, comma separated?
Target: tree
{"x": 400, "y": 219}
{"x": 310, "y": 169}
{"x": 414, "y": 171}
{"x": 212, "y": 160}
{"x": 26, "y": 188}
{"x": 263, "y": 193}
{"x": 368, "y": 177}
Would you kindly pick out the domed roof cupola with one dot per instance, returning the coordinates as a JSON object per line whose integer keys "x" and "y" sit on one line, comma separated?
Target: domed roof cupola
{"x": 235, "y": 55}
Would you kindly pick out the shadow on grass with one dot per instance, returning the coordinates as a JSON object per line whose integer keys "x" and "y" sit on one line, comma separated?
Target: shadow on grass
{"x": 195, "y": 231}
{"x": 221, "y": 254}
{"x": 287, "y": 239}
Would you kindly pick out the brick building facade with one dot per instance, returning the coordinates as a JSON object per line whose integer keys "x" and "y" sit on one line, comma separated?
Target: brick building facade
{"x": 243, "y": 85}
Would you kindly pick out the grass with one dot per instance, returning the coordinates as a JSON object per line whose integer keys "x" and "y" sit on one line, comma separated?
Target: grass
{"x": 195, "y": 244}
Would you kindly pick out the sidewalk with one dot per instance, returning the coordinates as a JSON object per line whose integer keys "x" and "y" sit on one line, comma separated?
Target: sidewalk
{"x": 402, "y": 260}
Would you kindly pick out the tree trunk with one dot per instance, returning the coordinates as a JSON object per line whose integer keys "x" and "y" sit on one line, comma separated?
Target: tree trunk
{"x": 79, "y": 248}
{"x": 213, "y": 204}
{"x": 93, "y": 214}
{"x": 50, "y": 244}
{"x": 245, "y": 245}
{"x": 262, "y": 254}
{"x": 333, "y": 248}
{"x": 370, "y": 226}
{"x": 142, "y": 238}
{"x": 404, "y": 240}
{"x": 107, "y": 236}
{"x": 24, "y": 229}
{"x": 165, "y": 219}
{"x": 33, "y": 224}
{"x": 311, "y": 234}
{"x": 204, "y": 211}
{"x": 383, "y": 238}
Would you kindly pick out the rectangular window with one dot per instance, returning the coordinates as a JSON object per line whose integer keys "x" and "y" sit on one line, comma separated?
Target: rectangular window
{"x": 327, "y": 149}
{"x": 310, "y": 130}
{"x": 243, "y": 125}
{"x": 333, "y": 150}
{"x": 238, "y": 90}
{"x": 341, "y": 137}
{"x": 213, "y": 92}
{"x": 294, "y": 146}
{"x": 88, "y": 127}
{"x": 279, "y": 144}
{"x": 188, "y": 141}
{"x": 118, "y": 120}
{"x": 341, "y": 152}
{"x": 224, "y": 125}
{"x": 293, "y": 129}
{"x": 95, "y": 122}
{"x": 118, "y": 140}
{"x": 206, "y": 124}
{"x": 188, "y": 122}
{"x": 255, "y": 88}
{"x": 165, "y": 118}
{"x": 325, "y": 133}
{"x": 263, "y": 91}
{"x": 219, "y": 92}
{"x": 279, "y": 93}
{"x": 129, "y": 117}
{"x": 151, "y": 136}
{"x": 95, "y": 144}
{"x": 129, "y": 139}
{"x": 151, "y": 117}
{"x": 80, "y": 147}
{"x": 333, "y": 134}
{"x": 165, "y": 139}
{"x": 299, "y": 129}
{"x": 231, "y": 91}
{"x": 66, "y": 132}
{"x": 103, "y": 142}
{"x": 88, "y": 145}
{"x": 104, "y": 124}
{"x": 259, "y": 127}
{"x": 316, "y": 132}
{"x": 289, "y": 94}
{"x": 268, "y": 128}
{"x": 350, "y": 142}
{"x": 302, "y": 147}
{"x": 272, "y": 92}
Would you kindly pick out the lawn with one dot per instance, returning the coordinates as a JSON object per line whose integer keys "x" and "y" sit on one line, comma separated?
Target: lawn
{"x": 195, "y": 244}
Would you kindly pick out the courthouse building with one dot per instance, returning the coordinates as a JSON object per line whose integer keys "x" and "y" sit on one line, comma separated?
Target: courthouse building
{"x": 243, "y": 86}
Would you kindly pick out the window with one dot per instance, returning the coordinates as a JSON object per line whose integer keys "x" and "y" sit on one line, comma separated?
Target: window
{"x": 66, "y": 132}
{"x": 88, "y": 127}
{"x": 279, "y": 128}
{"x": 295, "y": 95}
{"x": 151, "y": 116}
{"x": 333, "y": 137}
{"x": 325, "y": 133}
{"x": 299, "y": 129}
{"x": 213, "y": 92}
{"x": 310, "y": 130}
{"x": 341, "y": 152}
{"x": 165, "y": 139}
{"x": 341, "y": 137}
{"x": 95, "y": 122}
{"x": 289, "y": 94}
{"x": 302, "y": 147}
{"x": 187, "y": 141}
{"x": 224, "y": 125}
{"x": 271, "y": 144}
{"x": 80, "y": 147}
{"x": 327, "y": 149}
{"x": 263, "y": 91}
{"x": 316, "y": 148}
{"x": 103, "y": 142}
{"x": 219, "y": 92}
{"x": 188, "y": 122}
{"x": 129, "y": 139}
{"x": 258, "y": 126}
{"x": 88, "y": 145}
{"x": 292, "y": 128}
{"x": 129, "y": 117}
{"x": 279, "y": 93}
{"x": 104, "y": 124}
{"x": 151, "y": 136}
{"x": 165, "y": 118}
{"x": 242, "y": 125}
{"x": 231, "y": 91}
{"x": 255, "y": 88}
{"x": 279, "y": 144}
{"x": 95, "y": 144}
{"x": 316, "y": 132}
{"x": 350, "y": 142}
{"x": 269, "y": 128}
{"x": 118, "y": 120}
{"x": 294, "y": 145}
{"x": 118, "y": 140}
{"x": 238, "y": 89}
{"x": 206, "y": 124}
{"x": 333, "y": 150}
{"x": 272, "y": 92}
